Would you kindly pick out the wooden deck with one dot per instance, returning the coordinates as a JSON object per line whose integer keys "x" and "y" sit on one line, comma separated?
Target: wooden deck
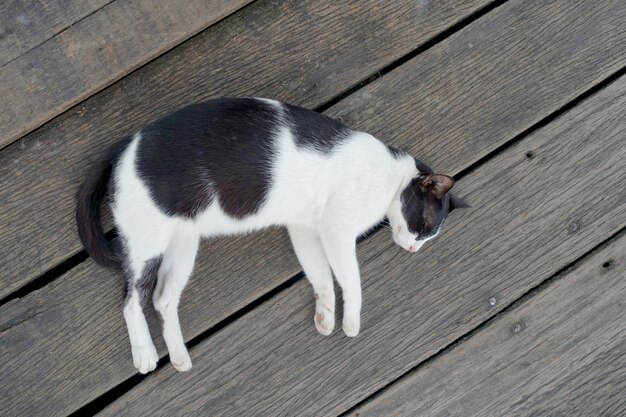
{"x": 519, "y": 308}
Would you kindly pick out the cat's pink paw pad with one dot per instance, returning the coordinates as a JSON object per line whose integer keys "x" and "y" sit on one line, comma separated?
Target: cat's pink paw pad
{"x": 323, "y": 324}
{"x": 181, "y": 361}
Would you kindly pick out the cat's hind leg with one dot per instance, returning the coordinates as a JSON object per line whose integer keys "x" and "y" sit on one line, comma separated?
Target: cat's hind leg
{"x": 177, "y": 265}
{"x": 143, "y": 246}
{"x": 141, "y": 276}
{"x": 310, "y": 253}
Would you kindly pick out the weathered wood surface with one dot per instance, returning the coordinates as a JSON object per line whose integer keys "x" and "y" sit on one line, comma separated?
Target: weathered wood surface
{"x": 493, "y": 80}
{"x": 303, "y": 52}
{"x": 26, "y": 24}
{"x": 268, "y": 261}
{"x": 77, "y": 368}
{"x": 93, "y": 53}
{"x": 560, "y": 353}
{"x": 259, "y": 263}
{"x": 76, "y": 328}
{"x": 270, "y": 362}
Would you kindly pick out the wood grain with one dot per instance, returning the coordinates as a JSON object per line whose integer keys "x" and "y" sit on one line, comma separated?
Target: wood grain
{"x": 82, "y": 338}
{"x": 303, "y": 52}
{"x": 493, "y": 80}
{"x": 560, "y": 353}
{"x": 270, "y": 362}
{"x": 27, "y": 24}
{"x": 79, "y": 313}
{"x": 93, "y": 53}
{"x": 66, "y": 344}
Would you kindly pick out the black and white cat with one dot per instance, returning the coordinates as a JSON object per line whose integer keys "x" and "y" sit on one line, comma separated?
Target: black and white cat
{"x": 236, "y": 165}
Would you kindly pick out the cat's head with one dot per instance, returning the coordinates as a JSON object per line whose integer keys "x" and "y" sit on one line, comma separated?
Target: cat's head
{"x": 419, "y": 211}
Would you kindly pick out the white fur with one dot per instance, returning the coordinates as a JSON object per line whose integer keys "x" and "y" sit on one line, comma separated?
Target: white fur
{"x": 325, "y": 200}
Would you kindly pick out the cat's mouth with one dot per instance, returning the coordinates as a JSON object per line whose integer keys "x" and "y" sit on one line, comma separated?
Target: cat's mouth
{"x": 415, "y": 246}
{"x": 407, "y": 243}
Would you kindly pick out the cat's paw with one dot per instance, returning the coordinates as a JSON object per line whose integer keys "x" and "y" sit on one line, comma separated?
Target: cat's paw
{"x": 145, "y": 358}
{"x": 180, "y": 360}
{"x": 324, "y": 322}
{"x": 351, "y": 327}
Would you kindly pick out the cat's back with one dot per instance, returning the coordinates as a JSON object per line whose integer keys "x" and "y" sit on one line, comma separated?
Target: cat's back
{"x": 246, "y": 126}
{"x": 210, "y": 131}
{"x": 229, "y": 148}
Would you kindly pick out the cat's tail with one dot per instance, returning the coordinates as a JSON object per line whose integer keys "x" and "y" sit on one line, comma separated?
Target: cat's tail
{"x": 88, "y": 203}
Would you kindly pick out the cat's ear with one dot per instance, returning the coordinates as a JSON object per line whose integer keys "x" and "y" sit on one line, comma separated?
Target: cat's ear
{"x": 457, "y": 203}
{"x": 437, "y": 184}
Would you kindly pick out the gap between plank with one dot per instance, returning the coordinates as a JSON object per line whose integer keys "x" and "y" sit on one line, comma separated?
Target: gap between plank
{"x": 52, "y": 274}
{"x": 461, "y": 24}
{"x": 76, "y": 259}
{"x": 507, "y": 309}
{"x": 101, "y": 402}
{"x": 108, "y": 397}
{"x": 541, "y": 123}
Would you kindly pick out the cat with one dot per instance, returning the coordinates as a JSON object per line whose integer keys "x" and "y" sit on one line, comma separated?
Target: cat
{"x": 235, "y": 165}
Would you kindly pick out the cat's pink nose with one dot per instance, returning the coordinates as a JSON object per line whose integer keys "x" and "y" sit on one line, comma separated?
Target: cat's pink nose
{"x": 413, "y": 248}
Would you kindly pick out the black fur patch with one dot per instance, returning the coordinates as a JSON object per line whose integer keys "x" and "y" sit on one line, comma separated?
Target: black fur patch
{"x": 422, "y": 210}
{"x": 146, "y": 284}
{"x": 396, "y": 153}
{"x": 314, "y": 130}
{"x": 220, "y": 147}
{"x": 423, "y": 168}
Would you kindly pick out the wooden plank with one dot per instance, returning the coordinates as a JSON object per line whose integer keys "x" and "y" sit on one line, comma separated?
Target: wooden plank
{"x": 270, "y": 362}
{"x": 303, "y": 52}
{"x": 93, "y": 53}
{"x": 104, "y": 365}
{"x": 79, "y": 313}
{"x": 76, "y": 327}
{"x": 26, "y": 24}
{"x": 493, "y": 81}
{"x": 560, "y": 353}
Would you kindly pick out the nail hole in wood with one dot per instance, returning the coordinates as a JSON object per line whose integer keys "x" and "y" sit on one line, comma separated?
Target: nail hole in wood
{"x": 608, "y": 264}
{"x": 530, "y": 154}
{"x": 518, "y": 327}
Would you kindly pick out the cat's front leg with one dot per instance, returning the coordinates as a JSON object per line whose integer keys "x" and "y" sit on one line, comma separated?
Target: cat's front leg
{"x": 308, "y": 247}
{"x": 340, "y": 250}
